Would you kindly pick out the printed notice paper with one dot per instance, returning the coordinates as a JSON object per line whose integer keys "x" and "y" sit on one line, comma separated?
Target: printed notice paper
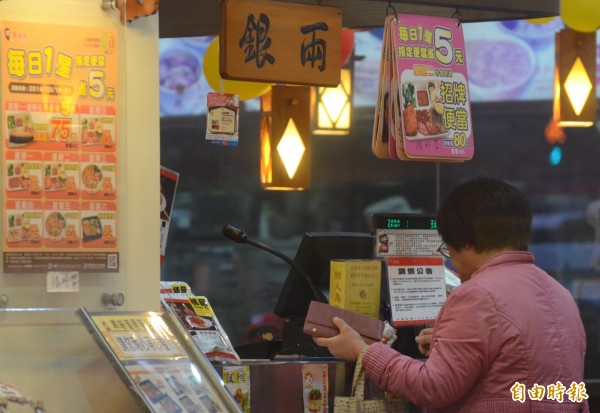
{"x": 417, "y": 289}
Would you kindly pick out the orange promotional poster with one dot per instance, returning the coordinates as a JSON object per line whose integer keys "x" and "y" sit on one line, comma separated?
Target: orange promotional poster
{"x": 59, "y": 116}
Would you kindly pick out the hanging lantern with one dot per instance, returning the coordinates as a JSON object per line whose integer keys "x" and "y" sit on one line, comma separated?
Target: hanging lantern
{"x": 285, "y": 138}
{"x": 333, "y": 107}
{"x": 575, "y": 79}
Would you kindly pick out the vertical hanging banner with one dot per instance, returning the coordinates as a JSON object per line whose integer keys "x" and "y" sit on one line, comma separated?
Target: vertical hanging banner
{"x": 59, "y": 149}
{"x": 430, "y": 82}
{"x": 280, "y": 42}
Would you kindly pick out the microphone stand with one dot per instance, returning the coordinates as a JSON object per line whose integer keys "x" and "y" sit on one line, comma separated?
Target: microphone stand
{"x": 294, "y": 339}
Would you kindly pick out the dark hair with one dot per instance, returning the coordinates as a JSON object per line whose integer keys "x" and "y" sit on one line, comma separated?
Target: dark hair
{"x": 487, "y": 214}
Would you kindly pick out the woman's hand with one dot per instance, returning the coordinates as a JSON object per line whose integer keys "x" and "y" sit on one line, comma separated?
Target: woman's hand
{"x": 346, "y": 345}
{"x": 424, "y": 340}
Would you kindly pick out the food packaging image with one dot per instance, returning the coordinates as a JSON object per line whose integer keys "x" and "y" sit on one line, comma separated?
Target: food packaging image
{"x": 237, "y": 381}
{"x": 315, "y": 385}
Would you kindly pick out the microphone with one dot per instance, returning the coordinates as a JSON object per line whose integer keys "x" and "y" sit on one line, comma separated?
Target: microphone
{"x": 240, "y": 236}
{"x": 235, "y": 234}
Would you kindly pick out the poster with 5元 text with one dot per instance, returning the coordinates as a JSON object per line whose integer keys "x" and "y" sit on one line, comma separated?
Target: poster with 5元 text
{"x": 59, "y": 147}
{"x": 430, "y": 72}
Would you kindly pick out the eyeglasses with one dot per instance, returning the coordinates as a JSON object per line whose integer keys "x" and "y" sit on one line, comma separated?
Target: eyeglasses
{"x": 443, "y": 249}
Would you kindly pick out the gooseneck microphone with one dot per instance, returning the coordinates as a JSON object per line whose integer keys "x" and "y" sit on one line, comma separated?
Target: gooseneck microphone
{"x": 240, "y": 236}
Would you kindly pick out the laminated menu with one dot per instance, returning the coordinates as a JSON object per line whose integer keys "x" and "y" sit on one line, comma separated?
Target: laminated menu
{"x": 199, "y": 319}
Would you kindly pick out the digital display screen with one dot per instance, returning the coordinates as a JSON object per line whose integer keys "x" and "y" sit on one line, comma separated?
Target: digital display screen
{"x": 403, "y": 221}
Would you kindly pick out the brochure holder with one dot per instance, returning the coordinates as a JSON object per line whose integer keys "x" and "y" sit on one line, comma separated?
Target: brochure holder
{"x": 158, "y": 362}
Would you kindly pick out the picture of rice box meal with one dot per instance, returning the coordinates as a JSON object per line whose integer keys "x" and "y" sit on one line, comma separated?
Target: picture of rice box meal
{"x": 17, "y": 177}
{"x": 22, "y": 227}
{"x": 91, "y": 177}
{"x": 92, "y": 228}
{"x": 20, "y": 129}
{"x": 56, "y": 225}
{"x": 423, "y": 112}
{"x": 15, "y": 228}
{"x": 55, "y": 177}
{"x": 92, "y": 131}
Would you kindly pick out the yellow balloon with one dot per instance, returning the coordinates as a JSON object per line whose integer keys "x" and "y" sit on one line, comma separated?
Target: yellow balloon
{"x": 541, "y": 20}
{"x": 581, "y": 15}
{"x": 245, "y": 90}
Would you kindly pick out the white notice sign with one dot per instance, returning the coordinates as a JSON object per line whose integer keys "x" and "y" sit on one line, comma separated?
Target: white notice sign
{"x": 417, "y": 289}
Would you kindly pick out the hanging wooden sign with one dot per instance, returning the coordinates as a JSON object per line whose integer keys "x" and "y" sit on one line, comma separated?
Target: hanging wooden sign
{"x": 280, "y": 42}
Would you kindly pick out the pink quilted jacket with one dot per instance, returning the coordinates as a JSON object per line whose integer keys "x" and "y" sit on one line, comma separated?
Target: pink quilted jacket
{"x": 508, "y": 340}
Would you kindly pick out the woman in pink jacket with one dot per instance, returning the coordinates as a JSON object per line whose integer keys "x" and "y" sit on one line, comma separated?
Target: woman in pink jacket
{"x": 509, "y": 339}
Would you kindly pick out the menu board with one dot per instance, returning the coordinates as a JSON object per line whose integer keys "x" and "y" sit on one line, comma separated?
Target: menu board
{"x": 59, "y": 117}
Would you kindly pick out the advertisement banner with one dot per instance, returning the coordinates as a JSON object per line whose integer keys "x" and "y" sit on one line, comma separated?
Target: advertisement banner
{"x": 59, "y": 130}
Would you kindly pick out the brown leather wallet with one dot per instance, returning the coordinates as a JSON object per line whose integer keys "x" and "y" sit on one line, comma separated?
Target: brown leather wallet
{"x": 319, "y": 322}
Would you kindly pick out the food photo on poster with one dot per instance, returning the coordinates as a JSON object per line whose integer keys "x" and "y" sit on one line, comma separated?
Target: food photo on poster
{"x": 423, "y": 109}
{"x": 24, "y": 226}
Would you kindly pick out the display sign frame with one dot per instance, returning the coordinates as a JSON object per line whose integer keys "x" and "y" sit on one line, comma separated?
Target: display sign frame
{"x": 157, "y": 361}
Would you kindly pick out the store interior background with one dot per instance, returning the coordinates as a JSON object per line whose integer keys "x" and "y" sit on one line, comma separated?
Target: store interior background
{"x": 220, "y": 185}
